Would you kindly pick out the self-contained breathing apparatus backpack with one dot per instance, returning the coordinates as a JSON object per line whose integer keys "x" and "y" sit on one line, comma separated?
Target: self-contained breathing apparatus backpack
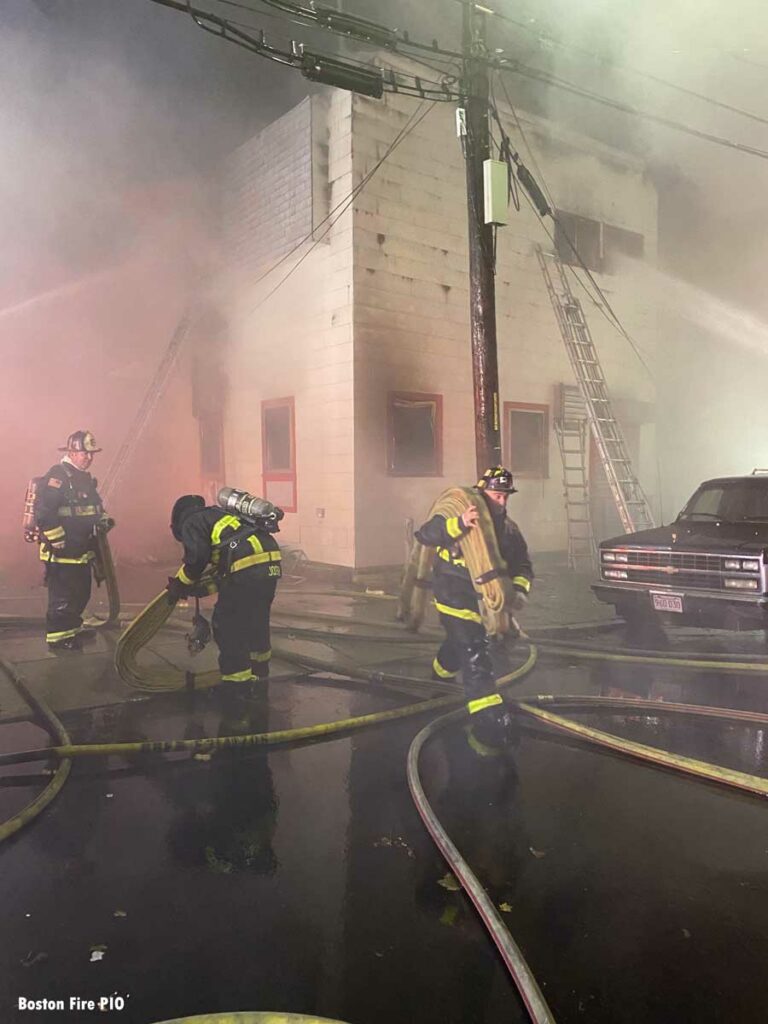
{"x": 255, "y": 513}
{"x": 29, "y": 518}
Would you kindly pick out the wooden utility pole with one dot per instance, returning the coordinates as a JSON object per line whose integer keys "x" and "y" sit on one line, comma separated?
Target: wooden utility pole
{"x": 482, "y": 284}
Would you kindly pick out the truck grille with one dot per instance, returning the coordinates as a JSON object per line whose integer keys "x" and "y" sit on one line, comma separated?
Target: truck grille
{"x": 692, "y": 570}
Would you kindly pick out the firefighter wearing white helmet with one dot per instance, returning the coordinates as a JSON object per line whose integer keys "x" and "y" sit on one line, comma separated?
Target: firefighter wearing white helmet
{"x": 68, "y": 508}
{"x": 465, "y": 647}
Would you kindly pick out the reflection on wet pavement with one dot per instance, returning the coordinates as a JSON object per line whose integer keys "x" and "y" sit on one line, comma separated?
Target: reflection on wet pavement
{"x": 302, "y": 879}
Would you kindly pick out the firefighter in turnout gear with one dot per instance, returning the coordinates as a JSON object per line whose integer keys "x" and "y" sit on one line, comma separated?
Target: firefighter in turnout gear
{"x": 67, "y": 511}
{"x": 465, "y": 648}
{"x": 244, "y": 559}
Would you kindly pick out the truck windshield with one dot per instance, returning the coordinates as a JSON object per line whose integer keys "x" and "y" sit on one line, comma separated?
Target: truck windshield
{"x": 730, "y": 502}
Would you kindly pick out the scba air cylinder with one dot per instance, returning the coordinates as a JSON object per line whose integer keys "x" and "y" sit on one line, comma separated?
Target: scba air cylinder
{"x": 250, "y": 507}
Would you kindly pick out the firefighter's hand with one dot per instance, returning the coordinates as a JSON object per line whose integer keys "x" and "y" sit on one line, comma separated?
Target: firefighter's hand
{"x": 106, "y": 523}
{"x": 519, "y": 600}
{"x": 176, "y": 590}
{"x": 470, "y": 517}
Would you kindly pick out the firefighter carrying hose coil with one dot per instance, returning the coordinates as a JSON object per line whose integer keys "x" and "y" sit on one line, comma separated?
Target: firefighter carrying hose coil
{"x": 244, "y": 559}
{"x": 465, "y": 648}
{"x": 67, "y": 513}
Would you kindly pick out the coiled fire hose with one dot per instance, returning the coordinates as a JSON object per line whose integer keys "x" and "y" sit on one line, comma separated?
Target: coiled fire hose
{"x": 480, "y": 551}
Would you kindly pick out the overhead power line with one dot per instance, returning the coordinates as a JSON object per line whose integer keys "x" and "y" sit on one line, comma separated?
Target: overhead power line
{"x": 365, "y": 79}
{"x": 365, "y": 31}
{"x": 556, "y": 82}
{"x": 539, "y": 207}
{"x": 628, "y": 68}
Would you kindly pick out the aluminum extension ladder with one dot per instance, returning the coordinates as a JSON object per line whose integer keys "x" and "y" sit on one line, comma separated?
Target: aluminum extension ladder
{"x": 152, "y": 397}
{"x": 572, "y": 431}
{"x": 629, "y": 497}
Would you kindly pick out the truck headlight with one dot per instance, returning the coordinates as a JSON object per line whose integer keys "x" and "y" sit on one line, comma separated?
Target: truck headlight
{"x": 731, "y": 584}
{"x": 621, "y": 557}
{"x": 619, "y": 574}
{"x": 751, "y": 565}
{"x": 732, "y": 563}
{"x": 608, "y": 556}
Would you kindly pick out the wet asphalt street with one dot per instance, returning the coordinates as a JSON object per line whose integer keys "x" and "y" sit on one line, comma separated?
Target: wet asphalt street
{"x": 303, "y": 880}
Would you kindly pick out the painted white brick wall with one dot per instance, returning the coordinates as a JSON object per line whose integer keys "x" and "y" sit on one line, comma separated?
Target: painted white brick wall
{"x": 382, "y": 305}
{"x": 412, "y": 321}
{"x": 298, "y": 342}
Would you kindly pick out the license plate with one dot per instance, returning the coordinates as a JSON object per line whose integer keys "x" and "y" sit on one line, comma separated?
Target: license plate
{"x": 667, "y": 602}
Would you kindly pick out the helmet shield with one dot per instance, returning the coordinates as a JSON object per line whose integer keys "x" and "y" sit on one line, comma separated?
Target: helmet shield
{"x": 81, "y": 441}
{"x": 498, "y": 479}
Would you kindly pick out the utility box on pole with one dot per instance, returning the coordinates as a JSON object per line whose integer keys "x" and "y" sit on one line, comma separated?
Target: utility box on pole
{"x": 496, "y": 192}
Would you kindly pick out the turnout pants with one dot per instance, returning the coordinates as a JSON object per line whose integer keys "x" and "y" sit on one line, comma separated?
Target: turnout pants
{"x": 465, "y": 650}
{"x": 69, "y": 591}
{"x": 241, "y": 627}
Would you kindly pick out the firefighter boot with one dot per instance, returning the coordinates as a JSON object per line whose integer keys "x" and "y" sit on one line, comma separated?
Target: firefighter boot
{"x": 71, "y": 643}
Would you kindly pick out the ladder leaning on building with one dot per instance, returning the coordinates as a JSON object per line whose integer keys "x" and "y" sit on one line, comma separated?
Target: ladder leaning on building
{"x": 628, "y": 496}
{"x": 572, "y": 432}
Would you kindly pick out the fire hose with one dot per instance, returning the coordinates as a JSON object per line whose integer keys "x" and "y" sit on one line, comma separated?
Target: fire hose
{"x": 539, "y": 708}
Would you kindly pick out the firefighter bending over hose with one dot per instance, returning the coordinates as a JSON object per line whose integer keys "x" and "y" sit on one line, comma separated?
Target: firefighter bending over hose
{"x": 244, "y": 560}
{"x": 465, "y": 648}
{"x": 67, "y": 512}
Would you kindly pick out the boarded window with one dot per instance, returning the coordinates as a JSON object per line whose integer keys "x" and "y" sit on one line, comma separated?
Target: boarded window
{"x": 211, "y": 447}
{"x": 278, "y": 452}
{"x": 415, "y": 434}
{"x": 527, "y": 430}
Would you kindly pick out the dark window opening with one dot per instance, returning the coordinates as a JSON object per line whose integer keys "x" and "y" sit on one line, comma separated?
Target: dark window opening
{"x": 582, "y": 234}
{"x": 618, "y": 242}
{"x": 277, "y": 438}
{"x": 527, "y": 439}
{"x": 278, "y": 453}
{"x": 211, "y": 447}
{"x": 599, "y": 245}
{"x": 415, "y": 435}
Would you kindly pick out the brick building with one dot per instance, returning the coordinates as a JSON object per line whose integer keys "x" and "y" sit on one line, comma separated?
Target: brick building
{"x": 350, "y": 386}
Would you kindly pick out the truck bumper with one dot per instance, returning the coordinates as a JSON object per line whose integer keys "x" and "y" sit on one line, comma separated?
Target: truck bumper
{"x": 700, "y": 608}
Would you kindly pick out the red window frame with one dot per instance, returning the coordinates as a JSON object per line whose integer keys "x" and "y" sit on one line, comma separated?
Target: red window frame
{"x": 287, "y": 474}
{"x": 527, "y": 407}
{"x": 414, "y": 396}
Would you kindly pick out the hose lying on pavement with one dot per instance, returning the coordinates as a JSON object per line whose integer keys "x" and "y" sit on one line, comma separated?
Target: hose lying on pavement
{"x": 752, "y": 784}
{"x": 278, "y": 737}
{"x": 513, "y": 959}
{"x": 57, "y": 730}
{"x": 264, "y": 1017}
{"x": 702, "y": 662}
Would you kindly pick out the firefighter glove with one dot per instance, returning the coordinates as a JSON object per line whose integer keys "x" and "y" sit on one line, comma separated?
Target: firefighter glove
{"x": 177, "y": 590}
{"x": 518, "y": 600}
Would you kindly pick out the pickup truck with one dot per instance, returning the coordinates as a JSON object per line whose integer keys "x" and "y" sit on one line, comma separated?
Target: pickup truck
{"x": 707, "y": 568}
